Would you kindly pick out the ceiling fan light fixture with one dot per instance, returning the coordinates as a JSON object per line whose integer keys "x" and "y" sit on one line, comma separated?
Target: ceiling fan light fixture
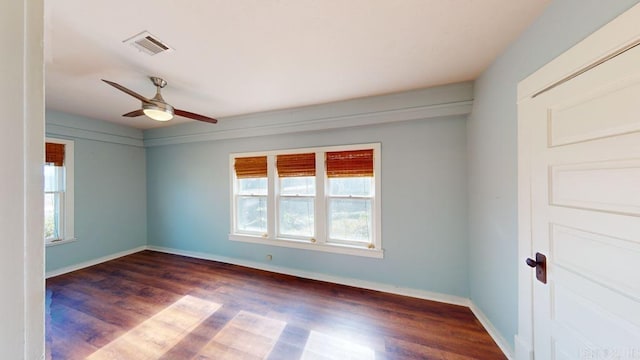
{"x": 157, "y": 113}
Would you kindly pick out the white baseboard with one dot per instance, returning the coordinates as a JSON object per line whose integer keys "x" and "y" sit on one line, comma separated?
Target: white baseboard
{"x": 503, "y": 344}
{"x": 420, "y": 294}
{"x": 97, "y": 261}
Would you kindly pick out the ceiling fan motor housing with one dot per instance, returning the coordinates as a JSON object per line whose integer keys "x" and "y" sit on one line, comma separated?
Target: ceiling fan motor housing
{"x": 159, "y": 82}
{"x": 157, "y": 108}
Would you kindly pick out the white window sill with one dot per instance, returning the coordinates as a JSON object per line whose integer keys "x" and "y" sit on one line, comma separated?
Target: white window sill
{"x": 60, "y": 242}
{"x": 331, "y": 248}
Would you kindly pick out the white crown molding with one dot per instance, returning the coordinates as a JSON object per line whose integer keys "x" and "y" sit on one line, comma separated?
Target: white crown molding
{"x": 54, "y": 130}
{"x": 59, "y": 124}
{"x": 423, "y": 112}
{"x": 441, "y": 101}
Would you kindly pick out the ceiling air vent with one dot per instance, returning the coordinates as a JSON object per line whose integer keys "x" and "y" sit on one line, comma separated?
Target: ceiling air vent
{"x": 147, "y": 43}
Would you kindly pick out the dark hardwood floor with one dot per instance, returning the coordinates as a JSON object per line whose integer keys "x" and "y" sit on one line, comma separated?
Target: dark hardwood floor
{"x": 151, "y": 305}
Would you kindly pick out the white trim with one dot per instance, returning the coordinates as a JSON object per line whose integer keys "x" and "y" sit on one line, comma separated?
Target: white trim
{"x": 307, "y": 245}
{"x": 85, "y": 264}
{"x": 24, "y": 109}
{"x": 439, "y": 101}
{"x": 525, "y": 275}
{"x": 346, "y": 147}
{"x": 320, "y": 241}
{"x": 60, "y": 242}
{"x": 502, "y": 343}
{"x": 415, "y": 293}
{"x": 615, "y": 35}
{"x": 68, "y": 230}
{"x": 326, "y": 123}
{"x": 522, "y": 351}
{"x": 79, "y": 127}
{"x": 68, "y": 131}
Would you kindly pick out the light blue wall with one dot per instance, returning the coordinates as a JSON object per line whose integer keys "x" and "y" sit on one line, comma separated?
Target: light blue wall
{"x": 423, "y": 196}
{"x": 110, "y": 189}
{"x": 437, "y": 238}
{"x": 492, "y": 151}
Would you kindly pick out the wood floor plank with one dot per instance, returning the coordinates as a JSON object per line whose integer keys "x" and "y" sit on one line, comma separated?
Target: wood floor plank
{"x": 246, "y": 336}
{"x": 157, "y": 335}
{"x": 261, "y": 315}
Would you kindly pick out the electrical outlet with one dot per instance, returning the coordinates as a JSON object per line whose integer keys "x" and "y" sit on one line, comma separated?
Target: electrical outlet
{"x": 269, "y": 257}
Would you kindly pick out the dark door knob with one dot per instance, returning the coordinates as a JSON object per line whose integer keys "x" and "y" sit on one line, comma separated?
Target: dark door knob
{"x": 532, "y": 263}
{"x": 540, "y": 264}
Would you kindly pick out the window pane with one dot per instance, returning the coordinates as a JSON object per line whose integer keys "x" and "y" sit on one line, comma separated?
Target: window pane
{"x": 53, "y": 178}
{"x": 350, "y": 219}
{"x": 296, "y": 216}
{"x": 356, "y": 186}
{"x": 252, "y": 214}
{"x": 252, "y": 186}
{"x": 52, "y": 216}
{"x": 304, "y": 185}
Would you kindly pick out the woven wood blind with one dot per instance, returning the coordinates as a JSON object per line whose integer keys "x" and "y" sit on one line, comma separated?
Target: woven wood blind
{"x": 251, "y": 167}
{"x": 356, "y": 163}
{"x": 292, "y": 165}
{"x": 54, "y": 154}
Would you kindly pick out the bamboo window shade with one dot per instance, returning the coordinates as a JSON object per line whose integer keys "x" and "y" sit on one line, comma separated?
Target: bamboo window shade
{"x": 251, "y": 167}
{"x": 355, "y": 163}
{"x": 293, "y": 165}
{"x": 54, "y": 154}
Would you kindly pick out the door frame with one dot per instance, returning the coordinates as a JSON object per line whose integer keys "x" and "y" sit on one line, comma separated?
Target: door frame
{"x": 617, "y": 35}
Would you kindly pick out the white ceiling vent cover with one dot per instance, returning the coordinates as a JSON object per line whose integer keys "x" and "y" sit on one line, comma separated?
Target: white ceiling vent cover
{"x": 148, "y": 43}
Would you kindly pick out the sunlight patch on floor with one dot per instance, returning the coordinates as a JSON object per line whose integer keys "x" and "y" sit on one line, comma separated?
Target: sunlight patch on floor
{"x": 158, "y": 334}
{"x": 246, "y": 336}
{"x": 321, "y": 346}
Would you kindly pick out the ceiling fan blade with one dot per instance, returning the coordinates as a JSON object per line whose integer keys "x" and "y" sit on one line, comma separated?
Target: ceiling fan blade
{"x": 195, "y": 116}
{"x": 134, "y": 113}
{"x": 130, "y": 92}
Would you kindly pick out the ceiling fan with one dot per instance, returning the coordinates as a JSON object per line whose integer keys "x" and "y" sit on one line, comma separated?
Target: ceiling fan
{"x": 156, "y": 108}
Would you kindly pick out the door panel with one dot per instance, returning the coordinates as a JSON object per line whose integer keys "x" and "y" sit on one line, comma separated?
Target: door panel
{"x": 605, "y": 186}
{"x": 586, "y": 117}
{"x": 585, "y": 205}
{"x": 577, "y": 309}
{"x": 582, "y": 252}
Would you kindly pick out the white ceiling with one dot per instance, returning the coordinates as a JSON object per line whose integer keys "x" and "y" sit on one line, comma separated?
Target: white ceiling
{"x": 242, "y": 56}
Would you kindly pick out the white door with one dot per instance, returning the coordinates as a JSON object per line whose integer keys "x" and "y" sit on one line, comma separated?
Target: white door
{"x": 585, "y": 212}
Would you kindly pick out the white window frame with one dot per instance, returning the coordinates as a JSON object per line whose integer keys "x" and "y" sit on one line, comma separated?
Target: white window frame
{"x": 278, "y": 199}
{"x": 320, "y": 241}
{"x": 236, "y": 197}
{"x": 67, "y": 232}
{"x": 328, "y": 199}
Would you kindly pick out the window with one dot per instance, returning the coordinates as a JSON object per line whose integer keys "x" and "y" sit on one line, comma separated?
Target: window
{"x": 251, "y": 195}
{"x": 325, "y": 199}
{"x": 296, "y": 195}
{"x": 58, "y": 191}
{"x": 350, "y": 175}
